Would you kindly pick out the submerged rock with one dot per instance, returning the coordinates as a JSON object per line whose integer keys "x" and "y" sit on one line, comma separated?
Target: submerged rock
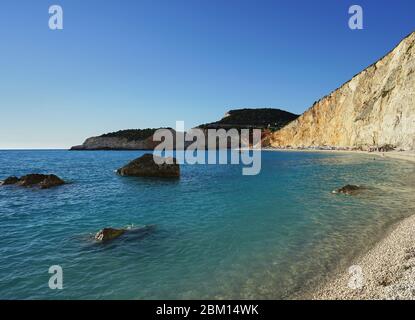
{"x": 349, "y": 189}
{"x": 146, "y": 166}
{"x": 42, "y": 181}
{"x": 107, "y": 234}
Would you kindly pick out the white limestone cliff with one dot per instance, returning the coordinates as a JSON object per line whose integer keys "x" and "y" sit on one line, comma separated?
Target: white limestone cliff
{"x": 375, "y": 108}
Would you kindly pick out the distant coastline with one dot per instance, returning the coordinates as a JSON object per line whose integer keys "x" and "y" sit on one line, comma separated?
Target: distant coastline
{"x": 267, "y": 119}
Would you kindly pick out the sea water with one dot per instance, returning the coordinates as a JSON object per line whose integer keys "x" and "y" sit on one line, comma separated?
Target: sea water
{"x": 218, "y": 234}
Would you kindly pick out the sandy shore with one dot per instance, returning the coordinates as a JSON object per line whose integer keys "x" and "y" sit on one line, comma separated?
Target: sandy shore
{"x": 400, "y": 155}
{"x": 387, "y": 271}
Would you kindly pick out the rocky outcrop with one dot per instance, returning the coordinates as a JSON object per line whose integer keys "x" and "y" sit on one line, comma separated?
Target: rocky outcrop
{"x": 108, "y": 234}
{"x": 35, "y": 180}
{"x": 150, "y": 165}
{"x": 348, "y": 189}
{"x": 375, "y": 108}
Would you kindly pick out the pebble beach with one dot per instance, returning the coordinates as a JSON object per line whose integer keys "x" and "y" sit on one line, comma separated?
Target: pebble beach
{"x": 387, "y": 269}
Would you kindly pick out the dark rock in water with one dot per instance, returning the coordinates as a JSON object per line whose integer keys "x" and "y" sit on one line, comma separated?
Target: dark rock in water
{"x": 10, "y": 180}
{"x": 146, "y": 166}
{"x": 40, "y": 180}
{"x": 107, "y": 234}
{"x": 35, "y": 180}
{"x": 349, "y": 189}
{"x": 31, "y": 180}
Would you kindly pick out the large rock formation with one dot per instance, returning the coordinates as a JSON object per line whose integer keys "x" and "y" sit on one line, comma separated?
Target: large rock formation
{"x": 146, "y": 166}
{"x": 376, "y": 107}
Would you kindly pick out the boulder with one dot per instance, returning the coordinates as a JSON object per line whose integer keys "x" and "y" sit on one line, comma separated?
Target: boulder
{"x": 35, "y": 180}
{"x": 349, "y": 189}
{"x": 107, "y": 234}
{"x": 146, "y": 166}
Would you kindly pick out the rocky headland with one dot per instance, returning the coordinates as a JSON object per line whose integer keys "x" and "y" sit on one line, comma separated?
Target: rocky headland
{"x": 266, "y": 119}
{"x": 133, "y": 139}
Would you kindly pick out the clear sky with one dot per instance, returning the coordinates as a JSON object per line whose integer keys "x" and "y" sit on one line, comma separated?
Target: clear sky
{"x": 122, "y": 64}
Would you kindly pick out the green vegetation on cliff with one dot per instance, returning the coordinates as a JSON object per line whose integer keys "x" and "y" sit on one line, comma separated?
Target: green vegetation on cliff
{"x": 272, "y": 119}
{"x": 131, "y": 134}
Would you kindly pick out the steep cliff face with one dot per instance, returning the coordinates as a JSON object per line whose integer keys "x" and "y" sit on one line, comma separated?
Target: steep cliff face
{"x": 375, "y": 108}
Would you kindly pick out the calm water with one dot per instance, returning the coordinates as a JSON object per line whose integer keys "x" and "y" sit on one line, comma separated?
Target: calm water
{"x": 218, "y": 234}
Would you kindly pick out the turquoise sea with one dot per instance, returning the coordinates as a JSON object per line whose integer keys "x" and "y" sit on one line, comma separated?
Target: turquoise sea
{"x": 218, "y": 234}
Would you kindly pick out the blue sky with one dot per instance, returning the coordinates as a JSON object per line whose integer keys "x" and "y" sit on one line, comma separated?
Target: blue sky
{"x": 137, "y": 64}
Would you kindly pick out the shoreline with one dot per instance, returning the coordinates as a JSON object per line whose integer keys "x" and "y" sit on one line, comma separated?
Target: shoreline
{"x": 386, "y": 271}
{"x": 398, "y": 155}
